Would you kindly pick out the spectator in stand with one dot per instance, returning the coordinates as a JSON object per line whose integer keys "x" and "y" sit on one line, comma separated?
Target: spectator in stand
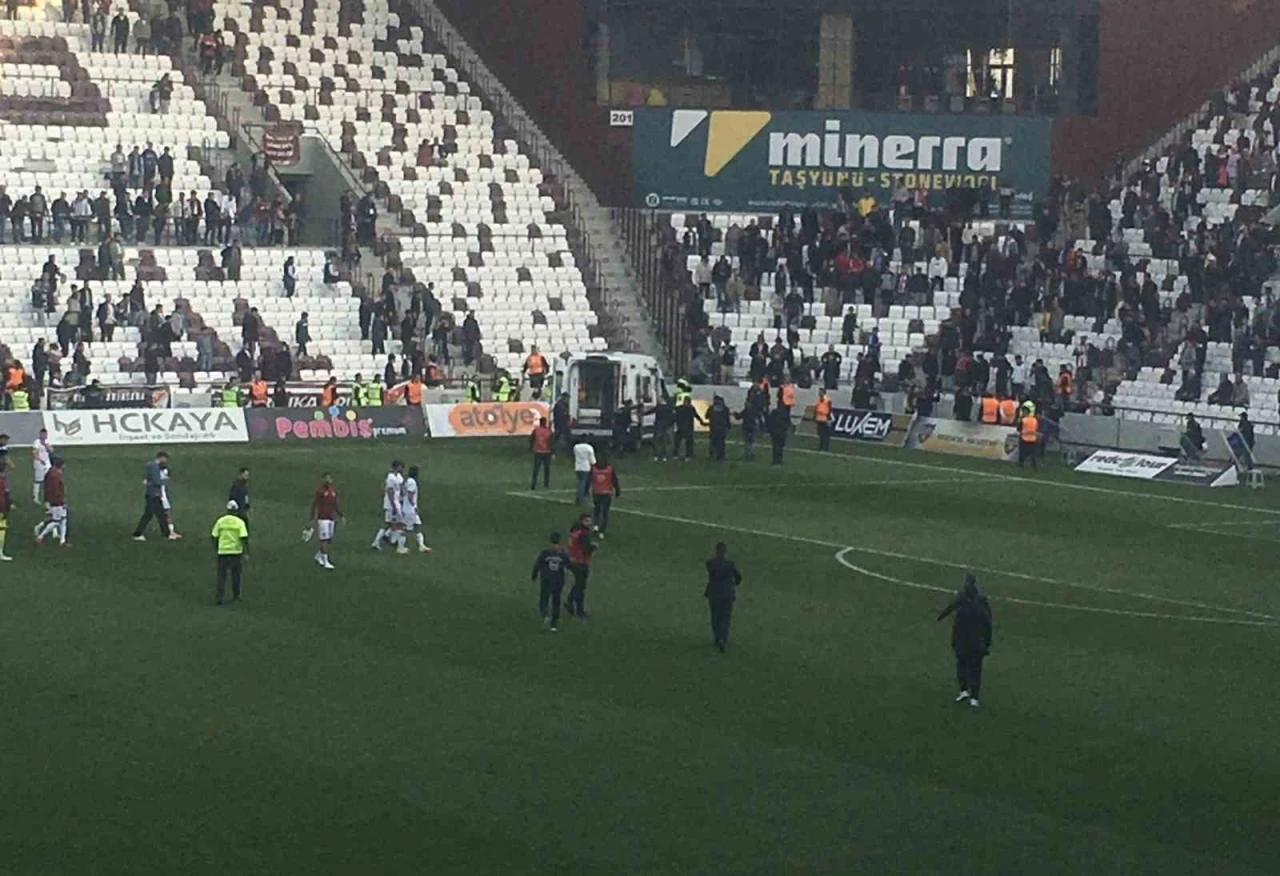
{"x": 120, "y": 33}
{"x": 290, "y": 278}
{"x": 302, "y": 334}
{"x": 232, "y": 260}
{"x": 98, "y": 31}
{"x": 250, "y": 330}
{"x": 142, "y": 35}
{"x": 1240, "y": 392}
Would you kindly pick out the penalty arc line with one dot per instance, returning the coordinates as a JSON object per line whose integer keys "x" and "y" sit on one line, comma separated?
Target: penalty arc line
{"x": 1250, "y": 618}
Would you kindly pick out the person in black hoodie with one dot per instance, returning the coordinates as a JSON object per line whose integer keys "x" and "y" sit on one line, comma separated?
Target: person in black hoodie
{"x": 970, "y": 637}
{"x": 719, "y": 420}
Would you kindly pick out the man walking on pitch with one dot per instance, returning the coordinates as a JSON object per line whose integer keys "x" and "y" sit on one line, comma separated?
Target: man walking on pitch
{"x": 239, "y": 493}
{"x": 584, "y": 457}
{"x": 154, "y": 499}
{"x": 548, "y": 570}
{"x": 55, "y": 503}
{"x": 580, "y": 550}
{"x": 604, "y": 487}
{"x": 231, "y": 542}
{"x": 6, "y": 506}
{"x": 41, "y": 461}
{"x": 409, "y": 517}
{"x": 541, "y": 442}
{"x": 970, "y": 637}
{"x": 723, "y": 579}
{"x": 323, "y": 519}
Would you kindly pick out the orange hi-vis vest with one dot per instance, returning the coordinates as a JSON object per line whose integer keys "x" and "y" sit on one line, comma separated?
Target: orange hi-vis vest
{"x": 1008, "y": 412}
{"x": 787, "y": 395}
{"x": 542, "y": 438}
{"x": 258, "y": 393}
{"x": 1029, "y": 429}
{"x": 533, "y": 364}
{"x": 822, "y": 410}
{"x": 990, "y": 410}
{"x": 17, "y": 377}
{"x": 328, "y": 396}
{"x": 602, "y": 480}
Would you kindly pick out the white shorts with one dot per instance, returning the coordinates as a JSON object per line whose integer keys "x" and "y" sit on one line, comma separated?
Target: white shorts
{"x": 390, "y": 516}
{"x": 409, "y": 516}
{"x": 57, "y": 513}
{"x": 41, "y": 471}
{"x": 324, "y": 529}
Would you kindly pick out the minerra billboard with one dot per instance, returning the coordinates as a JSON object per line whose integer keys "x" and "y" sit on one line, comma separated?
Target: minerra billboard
{"x": 732, "y": 160}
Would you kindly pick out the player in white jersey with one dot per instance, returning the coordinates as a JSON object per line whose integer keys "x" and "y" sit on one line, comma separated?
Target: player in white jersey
{"x": 392, "y": 506}
{"x": 409, "y": 511}
{"x": 41, "y": 460}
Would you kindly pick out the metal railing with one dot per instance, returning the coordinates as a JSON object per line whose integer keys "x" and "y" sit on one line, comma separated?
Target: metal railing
{"x": 661, "y": 289}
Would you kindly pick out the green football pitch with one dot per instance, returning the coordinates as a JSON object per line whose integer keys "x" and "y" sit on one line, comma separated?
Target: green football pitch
{"x": 411, "y": 715}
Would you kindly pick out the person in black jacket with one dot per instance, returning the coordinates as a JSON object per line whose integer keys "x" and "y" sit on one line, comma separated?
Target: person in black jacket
{"x": 970, "y": 637}
{"x": 548, "y": 570}
{"x": 779, "y": 421}
{"x": 718, "y": 420}
{"x": 239, "y": 493}
{"x": 723, "y": 579}
{"x": 663, "y": 417}
{"x": 685, "y": 416}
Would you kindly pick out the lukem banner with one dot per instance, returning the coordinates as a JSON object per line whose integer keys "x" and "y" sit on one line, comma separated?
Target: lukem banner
{"x": 963, "y": 439}
{"x": 738, "y": 160}
{"x": 858, "y": 425}
{"x": 159, "y": 427}
{"x": 495, "y": 420}
{"x": 282, "y": 145}
{"x": 301, "y": 426}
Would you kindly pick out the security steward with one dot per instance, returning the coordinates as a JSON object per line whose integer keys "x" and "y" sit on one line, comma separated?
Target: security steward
{"x": 230, "y": 397}
{"x": 231, "y": 542}
{"x": 535, "y": 366}
{"x": 970, "y": 637}
{"x": 723, "y": 579}
{"x": 989, "y": 410}
{"x": 684, "y": 390}
{"x": 822, "y": 417}
{"x": 19, "y": 398}
{"x": 604, "y": 488}
{"x": 373, "y": 393}
{"x": 329, "y": 394}
{"x": 472, "y": 394}
{"x": 542, "y": 443}
{"x": 502, "y": 389}
{"x": 1028, "y": 438}
{"x": 581, "y": 549}
{"x": 259, "y": 392}
{"x": 686, "y": 415}
{"x": 719, "y": 421}
{"x": 1008, "y": 411}
{"x": 787, "y": 395}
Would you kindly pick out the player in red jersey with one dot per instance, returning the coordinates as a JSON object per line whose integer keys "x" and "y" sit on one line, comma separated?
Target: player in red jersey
{"x": 324, "y": 518}
{"x": 55, "y": 503}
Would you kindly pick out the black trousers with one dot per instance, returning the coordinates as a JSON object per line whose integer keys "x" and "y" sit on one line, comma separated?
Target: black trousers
{"x": 541, "y": 461}
{"x": 969, "y": 671}
{"x": 661, "y": 443}
{"x": 824, "y": 436}
{"x": 779, "y": 444}
{"x": 229, "y": 565}
{"x": 717, "y": 445}
{"x": 154, "y": 508}
{"x": 687, "y": 439}
{"x": 1027, "y": 450}
{"x": 549, "y": 596}
{"x": 600, "y": 510}
{"x": 578, "y": 593}
{"x": 721, "y": 615}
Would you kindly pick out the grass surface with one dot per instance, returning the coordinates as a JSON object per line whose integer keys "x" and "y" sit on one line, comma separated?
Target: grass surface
{"x": 409, "y": 715}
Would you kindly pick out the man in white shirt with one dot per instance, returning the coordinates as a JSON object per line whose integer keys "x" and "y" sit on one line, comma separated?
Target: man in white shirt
{"x": 392, "y": 507}
{"x": 227, "y": 211}
{"x": 409, "y": 512}
{"x": 1018, "y": 376}
{"x": 42, "y": 461}
{"x": 584, "y": 456}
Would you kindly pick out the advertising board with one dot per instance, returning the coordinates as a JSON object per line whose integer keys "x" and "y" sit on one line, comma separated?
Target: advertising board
{"x": 492, "y": 420}
{"x": 290, "y": 425}
{"x": 170, "y": 426}
{"x": 963, "y": 439}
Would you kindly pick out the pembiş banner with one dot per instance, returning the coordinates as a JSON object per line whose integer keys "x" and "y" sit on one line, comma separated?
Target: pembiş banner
{"x": 858, "y": 425}
{"x": 172, "y": 426}
{"x": 963, "y": 439}
{"x": 697, "y": 159}
{"x": 294, "y": 426}
{"x": 495, "y": 420}
{"x": 1139, "y": 466}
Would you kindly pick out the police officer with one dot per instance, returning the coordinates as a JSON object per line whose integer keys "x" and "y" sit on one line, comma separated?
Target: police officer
{"x": 683, "y": 391}
{"x": 718, "y": 420}
{"x": 753, "y": 419}
{"x": 686, "y": 416}
{"x": 779, "y": 427}
{"x": 723, "y": 579}
{"x": 970, "y": 637}
{"x": 548, "y": 570}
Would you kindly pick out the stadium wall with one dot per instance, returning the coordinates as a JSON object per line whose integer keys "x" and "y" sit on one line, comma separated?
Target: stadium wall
{"x": 1159, "y": 61}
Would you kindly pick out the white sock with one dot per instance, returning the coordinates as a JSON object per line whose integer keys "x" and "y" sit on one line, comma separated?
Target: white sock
{"x": 421, "y": 542}
{"x": 398, "y": 538}
{"x": 35, "y": 493}
{"x": 377, "y": 539}
{"x": 47, "y": 529}
{"x": 62, "y": 532}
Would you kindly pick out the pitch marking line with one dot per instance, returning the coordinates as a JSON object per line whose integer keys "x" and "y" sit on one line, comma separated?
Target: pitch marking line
{"x": 1247, "y": 617}
{"x": 780, "y": 485}
{"x": 1110, "y": 491}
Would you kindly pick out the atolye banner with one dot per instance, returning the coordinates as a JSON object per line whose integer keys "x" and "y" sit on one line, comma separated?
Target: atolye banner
{"x": 731, "y": 160}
